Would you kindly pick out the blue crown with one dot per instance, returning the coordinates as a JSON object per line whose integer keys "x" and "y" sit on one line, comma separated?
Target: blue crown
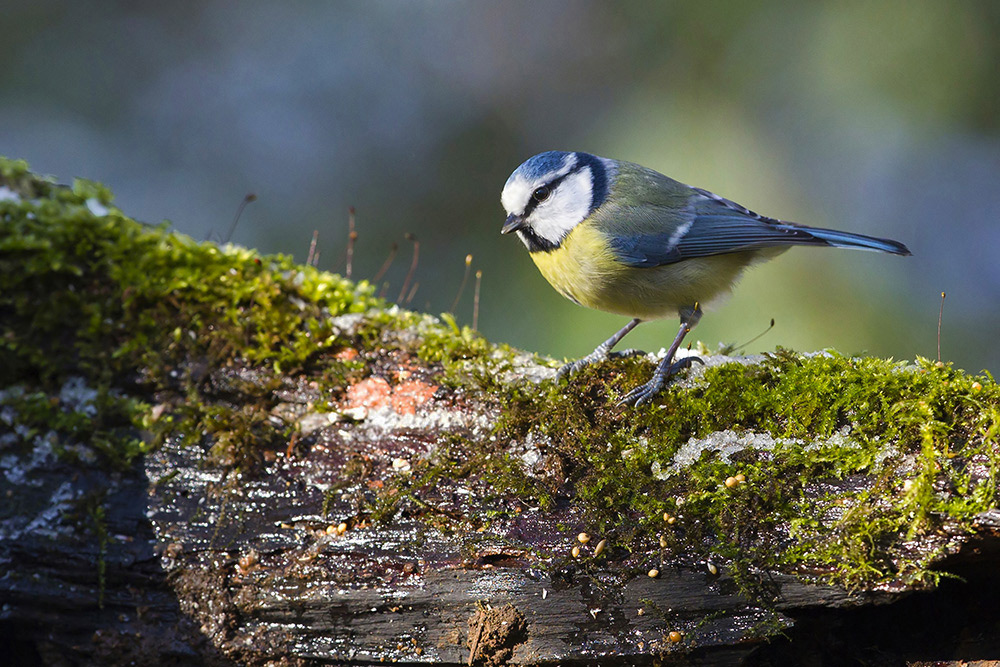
{"x": 542, "y": 164}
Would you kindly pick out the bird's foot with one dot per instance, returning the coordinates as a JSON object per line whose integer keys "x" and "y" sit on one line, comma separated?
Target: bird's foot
{"x": 644, "y": 393}
{"x": 594, "y": 357}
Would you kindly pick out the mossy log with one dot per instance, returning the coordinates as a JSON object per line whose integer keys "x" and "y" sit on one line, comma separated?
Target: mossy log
{"x": 211, "y": 456}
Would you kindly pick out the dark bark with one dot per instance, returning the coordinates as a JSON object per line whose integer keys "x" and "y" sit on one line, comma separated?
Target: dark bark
{"x": 202, "y": 565}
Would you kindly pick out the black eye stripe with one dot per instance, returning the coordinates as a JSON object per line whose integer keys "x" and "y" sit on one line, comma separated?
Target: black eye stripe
{"x": 598, "y": 183}
{"x": 551, "y": 186}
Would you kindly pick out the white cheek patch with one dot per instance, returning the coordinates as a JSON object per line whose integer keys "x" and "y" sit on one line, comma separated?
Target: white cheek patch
{"x": 565, "y": 208}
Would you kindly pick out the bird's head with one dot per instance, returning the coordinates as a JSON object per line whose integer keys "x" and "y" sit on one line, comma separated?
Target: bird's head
{"x": 551, "y": 193}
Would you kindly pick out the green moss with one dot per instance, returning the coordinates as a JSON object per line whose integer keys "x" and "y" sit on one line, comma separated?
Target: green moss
{"x": 87, "y": 292}
{"x": 99, "y": 422}
{"x": 76, "y": 284}
{"x": 457, "y": 350}
{"x": 855, "y": 459}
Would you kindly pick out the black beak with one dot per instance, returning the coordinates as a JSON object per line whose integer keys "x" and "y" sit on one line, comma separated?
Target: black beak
{"x": 514, "y": 223}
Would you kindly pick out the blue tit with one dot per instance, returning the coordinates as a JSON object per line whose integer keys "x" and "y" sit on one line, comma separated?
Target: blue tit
{"x": 625, "y": 239}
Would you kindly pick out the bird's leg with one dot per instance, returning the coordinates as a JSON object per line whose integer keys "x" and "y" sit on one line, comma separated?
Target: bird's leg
{"x": 667, "y": 367}
{"x": 602, "y": 352}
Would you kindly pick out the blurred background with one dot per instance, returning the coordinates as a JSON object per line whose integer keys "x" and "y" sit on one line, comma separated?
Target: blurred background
{"x": 875, "y": 117}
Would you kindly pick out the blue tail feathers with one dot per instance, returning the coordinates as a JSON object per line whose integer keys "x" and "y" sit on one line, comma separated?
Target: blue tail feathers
{"x": 859, "y": 241}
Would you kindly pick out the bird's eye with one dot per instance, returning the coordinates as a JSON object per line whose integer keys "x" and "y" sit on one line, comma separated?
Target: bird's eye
{"x": 541, "y": 194}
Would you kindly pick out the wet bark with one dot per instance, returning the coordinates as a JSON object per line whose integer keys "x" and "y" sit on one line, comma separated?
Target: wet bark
{"x": 191, "y": 562}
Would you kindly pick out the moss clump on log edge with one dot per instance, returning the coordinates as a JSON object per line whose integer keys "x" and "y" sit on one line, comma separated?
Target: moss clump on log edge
{"x": 115, "y": 336}
{"x": 824, "y": 465}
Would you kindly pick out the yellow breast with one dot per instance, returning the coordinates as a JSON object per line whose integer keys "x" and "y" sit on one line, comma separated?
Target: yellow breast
{"x": 584, "y": 269}
{"x": 579, "y": 266}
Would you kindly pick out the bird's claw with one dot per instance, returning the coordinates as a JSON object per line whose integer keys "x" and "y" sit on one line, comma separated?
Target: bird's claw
{"x": 644, "y": 393}
{"x": 571, "y": 368}
{"x": 575, "y": 367}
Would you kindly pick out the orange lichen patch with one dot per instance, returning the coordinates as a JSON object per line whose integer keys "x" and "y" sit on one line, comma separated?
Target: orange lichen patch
{"x": 369, "y": 393}
{"x": 376, "y": 393}
{"x": 347, "y": 354}
{"x": 408, "y": 395}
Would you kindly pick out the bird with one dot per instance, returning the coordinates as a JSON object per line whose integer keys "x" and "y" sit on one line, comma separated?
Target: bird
{"x": 622, "y": 238}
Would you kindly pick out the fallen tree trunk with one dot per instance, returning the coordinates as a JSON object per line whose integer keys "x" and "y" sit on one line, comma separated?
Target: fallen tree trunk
{"x": 212, "y": 457}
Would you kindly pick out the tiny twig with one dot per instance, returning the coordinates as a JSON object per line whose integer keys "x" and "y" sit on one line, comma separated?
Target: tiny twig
{"x": 461, "y": 288}
{"x": 393, "y": 249}
{"x": 479, "y": 633}
{"x": 413, "y": 292}
{"x": 755, "y": 338}
{"x": 311, "y": 257}
{"x": 239, "y": 211}
{"x": 940, "y": 317}
{"x": 352, "y": 236}
{"x": 475, "y": 302}
{"x": 413, "y": 266}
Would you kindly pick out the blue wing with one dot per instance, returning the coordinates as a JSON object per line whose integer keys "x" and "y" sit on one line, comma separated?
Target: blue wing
{"x": 711, "y": 225}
